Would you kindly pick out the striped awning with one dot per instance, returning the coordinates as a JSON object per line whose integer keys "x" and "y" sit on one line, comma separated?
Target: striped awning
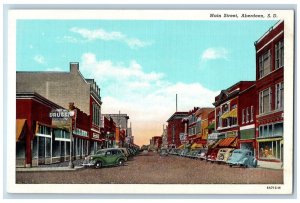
{"x": 233, "y": 113}
{"x": 227, "y": 142}
{"x": 225, "y": 115}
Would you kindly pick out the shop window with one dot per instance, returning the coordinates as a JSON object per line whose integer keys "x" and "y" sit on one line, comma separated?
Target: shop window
{"x": 20, "y": 149}
{"x": 48, "y": 147}
{"x": 279, "y": 55}
{"x": 34, "y": 147}
{"x": 270, "y": 150}
{"x": 67, "y": 145}
{"x": 63, "y": 149}
{"x": 271, "y": 130}
{"x": 44, "y": 130}
{"x": 56, "y": 149}
{"x": 41, "y": 150}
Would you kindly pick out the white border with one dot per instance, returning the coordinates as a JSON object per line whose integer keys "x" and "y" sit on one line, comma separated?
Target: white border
{"x": 14, "y": 15}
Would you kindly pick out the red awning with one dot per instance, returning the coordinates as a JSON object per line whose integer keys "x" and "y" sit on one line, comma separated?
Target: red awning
{"x": 227, "y": 142}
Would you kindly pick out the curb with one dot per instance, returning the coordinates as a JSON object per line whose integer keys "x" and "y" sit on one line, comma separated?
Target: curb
{"x": 49, "y": 169}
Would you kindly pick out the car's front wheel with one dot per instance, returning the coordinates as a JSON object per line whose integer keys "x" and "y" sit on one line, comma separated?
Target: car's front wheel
{"x": 121, "y": 162}
{"x": 98, "y": 164}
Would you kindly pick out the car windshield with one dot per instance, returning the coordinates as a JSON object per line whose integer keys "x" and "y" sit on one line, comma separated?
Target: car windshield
{"x": 101, "y": 152}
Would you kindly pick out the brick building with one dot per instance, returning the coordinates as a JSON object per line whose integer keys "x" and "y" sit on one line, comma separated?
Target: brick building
{"x": 270, "y": 94}
{"x": 228, "y": 111}
{"x": 175, "y": 129}
{"x": 64, "y": 87}
{"x": 37, "y": 140}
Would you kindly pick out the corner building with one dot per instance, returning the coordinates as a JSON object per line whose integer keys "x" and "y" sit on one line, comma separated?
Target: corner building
{"x": 270, "y": 94}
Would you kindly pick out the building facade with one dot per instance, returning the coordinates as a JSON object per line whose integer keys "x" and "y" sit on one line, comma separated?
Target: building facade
{"x": 37, "y": 140}
{"x": 175, "y": 129}
{"x": 228, "y": 111}
{"x": 270, "y": 94}
{"x": 64, "y": 87}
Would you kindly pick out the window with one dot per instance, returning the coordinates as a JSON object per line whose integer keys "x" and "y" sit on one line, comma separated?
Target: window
{"x": 265, "y": 101}
{"x": 243, "y": 116}
{"x": 252, "y": 113}
{"x": 279, "y": 55}
{"x": 44, "y": 130}
{"x": 279, "y": 95}
{"x": 247, "y": 115}
{"x": 270, "y": 150}
{"x": 271, "y": 130}
{"x": 264, "y": 64}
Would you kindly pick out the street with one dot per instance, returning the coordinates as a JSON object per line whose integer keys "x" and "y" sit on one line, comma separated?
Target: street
{"x": 153, "y": 169}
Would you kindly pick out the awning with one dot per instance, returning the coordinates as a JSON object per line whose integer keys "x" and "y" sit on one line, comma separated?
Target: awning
{"x": 269, "y": 139}
{"x": 225, "y": 115}
{"x": 211, "y": 126}
{"x": 196, "y": 145}
{"x": 181, "y": 146}
{"x": 233, "y": 113}
{"x": 227, "y": 142}
{"x": 20, "y": 123}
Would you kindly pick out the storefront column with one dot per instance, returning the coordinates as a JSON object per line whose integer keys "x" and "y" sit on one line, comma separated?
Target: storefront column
{"x": 28, "y": 153}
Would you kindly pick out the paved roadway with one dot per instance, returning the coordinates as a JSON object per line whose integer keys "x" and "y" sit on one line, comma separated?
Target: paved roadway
{"x": 151, "y": 168}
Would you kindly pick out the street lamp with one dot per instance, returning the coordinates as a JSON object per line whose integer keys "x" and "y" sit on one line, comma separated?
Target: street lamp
{"x": 107, "y": 138}
{"x": 72, "y": 114}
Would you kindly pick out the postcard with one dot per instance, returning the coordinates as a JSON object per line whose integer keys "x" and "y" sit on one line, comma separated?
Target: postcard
{"x": 150, "y": 101}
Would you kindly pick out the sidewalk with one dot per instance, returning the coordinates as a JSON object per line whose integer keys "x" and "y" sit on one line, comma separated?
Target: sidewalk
{"x": 269, "y": 165}
{"x": 48, "y": 169}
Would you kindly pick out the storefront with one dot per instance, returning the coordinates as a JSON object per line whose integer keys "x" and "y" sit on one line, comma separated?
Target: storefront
{"x": 81, "y": 143}
{"x": 270, "y": 142}
{"x": 60, "y": 145}
{"x": 96, "y": 143}
{"x": 247, "y": 139}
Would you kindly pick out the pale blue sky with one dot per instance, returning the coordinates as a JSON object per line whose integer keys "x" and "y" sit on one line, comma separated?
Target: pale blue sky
{"x": 141, "y": 65}
{"x": 173, "y": 48}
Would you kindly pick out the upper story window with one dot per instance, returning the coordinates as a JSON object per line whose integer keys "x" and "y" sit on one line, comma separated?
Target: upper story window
{"x": 279, "y": 95}
{"x": 252, "y": 114}
{"x": 96, "y": 114}
{"x": 264, "y": 63}
{"x": 243, "y": 116}
{"x": 279, "y": 55}
{"x": 265, "y": 101}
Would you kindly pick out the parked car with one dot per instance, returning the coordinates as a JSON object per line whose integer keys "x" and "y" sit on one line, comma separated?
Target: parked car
{"x": 194, "y": 154}
{"x": 163, "y": 152}
{"x": 105, "y": 157}
{"x": 212, "y": 154}
{"x": 126, "y": 153}
{"x": 224, "y": 154}
{"x": 184, "y": 152}
{"x": 243, "y": 158}
{"x": 202, "y": 154}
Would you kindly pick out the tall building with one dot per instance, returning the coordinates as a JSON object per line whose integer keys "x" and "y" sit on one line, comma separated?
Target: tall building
{"x": 270, "y": 94}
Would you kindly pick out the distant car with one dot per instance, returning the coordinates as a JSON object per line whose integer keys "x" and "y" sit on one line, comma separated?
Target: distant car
{"x": 106, "y": 157}
{"x": 194, "y": 153}
{"x": 212, "y": 155}
{"x": 224, "y": 154}
{"x": 202, "y": 154}
{"x": 163, "y": 152}
{"x": 243, "y": 158}
{"x": 184, "y": 152}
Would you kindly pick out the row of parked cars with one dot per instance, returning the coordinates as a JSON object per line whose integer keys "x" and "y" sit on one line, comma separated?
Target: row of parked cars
{"x": 230, "y": 156}
{"x": 110, "y": 157}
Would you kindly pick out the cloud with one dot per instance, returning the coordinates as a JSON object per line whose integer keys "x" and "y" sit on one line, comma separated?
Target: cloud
{"x": 39, "y": 59}
{"x": 147, "y": 97}
{"x": 55, "y": 69}
{"x": 215, "y": 53}
{"x": 101, "y": 34}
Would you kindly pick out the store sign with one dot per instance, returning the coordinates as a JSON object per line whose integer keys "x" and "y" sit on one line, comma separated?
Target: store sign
{"x": 59, "y": 113}
{"x": 96, "y": 136}
{"x": 231, "y": 134}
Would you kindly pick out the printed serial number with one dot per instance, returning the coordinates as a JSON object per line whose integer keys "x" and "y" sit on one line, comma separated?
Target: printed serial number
{"x": 273, "y": 187}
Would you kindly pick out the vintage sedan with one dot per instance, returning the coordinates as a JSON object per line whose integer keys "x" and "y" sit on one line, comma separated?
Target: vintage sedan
{"x": 212, "y": 155}
{"x": 163, "y": 152}
{"x": 224, "y": 154}
{"x": 243, "y": 158}
{"x": 106, "y": 157}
